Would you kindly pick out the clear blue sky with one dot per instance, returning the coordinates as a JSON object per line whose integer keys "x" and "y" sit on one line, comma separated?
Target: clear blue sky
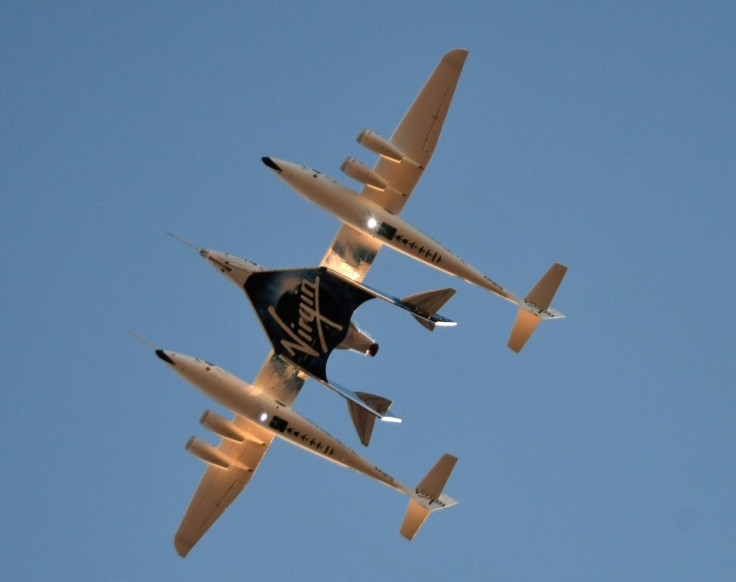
{"x": 598, "y": 135}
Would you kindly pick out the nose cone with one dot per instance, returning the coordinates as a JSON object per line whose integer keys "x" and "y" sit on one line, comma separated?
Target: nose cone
{"x": 165, "y": 357}
{"x": 234, "y": 268}
{"x": 271, "y": 164}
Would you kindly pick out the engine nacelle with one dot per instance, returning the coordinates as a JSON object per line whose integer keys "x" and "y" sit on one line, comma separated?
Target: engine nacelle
{"x": 379, "y": 145}
{"x": 222, "y": 427}
{"x": 211, "y": 455}
{"x": 358, "y": 340}
{"x": 362, "y": 173}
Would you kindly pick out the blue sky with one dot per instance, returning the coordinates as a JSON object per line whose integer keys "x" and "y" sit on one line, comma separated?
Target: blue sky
{"x": 600, "y": 135}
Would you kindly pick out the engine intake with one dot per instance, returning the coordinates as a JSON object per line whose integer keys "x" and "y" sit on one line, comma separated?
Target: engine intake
{"x": 362, "y": 173}
{"x": 222, "y": 427}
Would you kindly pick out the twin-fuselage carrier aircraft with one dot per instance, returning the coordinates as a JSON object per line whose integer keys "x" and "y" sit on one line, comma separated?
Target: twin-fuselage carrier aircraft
{"x": 306, "y": 314}
{"x": 259, "y": 417}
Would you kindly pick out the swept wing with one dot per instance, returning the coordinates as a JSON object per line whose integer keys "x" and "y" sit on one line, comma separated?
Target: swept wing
{"x": 351, "y": 252}
{"x": 219, "y": 487}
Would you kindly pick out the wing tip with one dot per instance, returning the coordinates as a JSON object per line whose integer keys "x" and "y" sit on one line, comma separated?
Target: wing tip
{"x": 456, "y": 57}
{"x": 182, "y": 545}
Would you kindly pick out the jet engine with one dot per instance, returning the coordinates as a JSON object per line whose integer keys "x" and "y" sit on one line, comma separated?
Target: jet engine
{"x": 211, "y": 455}
{"x": 362, "y": 173}
{"x": 379, "y": 145}
{"x": 358, "y": 340}
{"x": 222, "y": 427}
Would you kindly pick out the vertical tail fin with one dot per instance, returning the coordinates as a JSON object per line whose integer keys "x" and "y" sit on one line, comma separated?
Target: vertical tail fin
{"x": 524, "y": 325}
{"x": 414, "y": 518}
{"x": 428, "y": 496}
{"x": 536, "y": 307}
{"x": 364, "y": 420}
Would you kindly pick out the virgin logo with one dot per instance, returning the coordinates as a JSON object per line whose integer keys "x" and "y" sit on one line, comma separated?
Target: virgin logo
{"x": 309, "y": 325}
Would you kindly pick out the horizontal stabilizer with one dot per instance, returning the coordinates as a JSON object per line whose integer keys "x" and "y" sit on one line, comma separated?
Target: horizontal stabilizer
{"x": 363, "y": 420}
{"x": 428, "y": 496}
{"x": 536, "y": 307}
{"x": 428, "y": 304}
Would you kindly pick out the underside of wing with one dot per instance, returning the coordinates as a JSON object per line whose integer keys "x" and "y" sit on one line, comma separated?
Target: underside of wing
{"x": 220, "y": 486}
{"x": 351, "y": 253}
{"x": 280, "y": 379}
{"x": 417, "y": 134}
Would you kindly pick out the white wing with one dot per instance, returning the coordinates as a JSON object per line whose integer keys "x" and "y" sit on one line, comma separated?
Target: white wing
{"x": 351, "y": 252}
{"x": 219, "y": 487}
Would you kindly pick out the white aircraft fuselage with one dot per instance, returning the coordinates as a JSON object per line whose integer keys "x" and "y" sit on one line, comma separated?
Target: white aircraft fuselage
{"x": 371, "y": 219}
{"x": 260, "y": 408}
